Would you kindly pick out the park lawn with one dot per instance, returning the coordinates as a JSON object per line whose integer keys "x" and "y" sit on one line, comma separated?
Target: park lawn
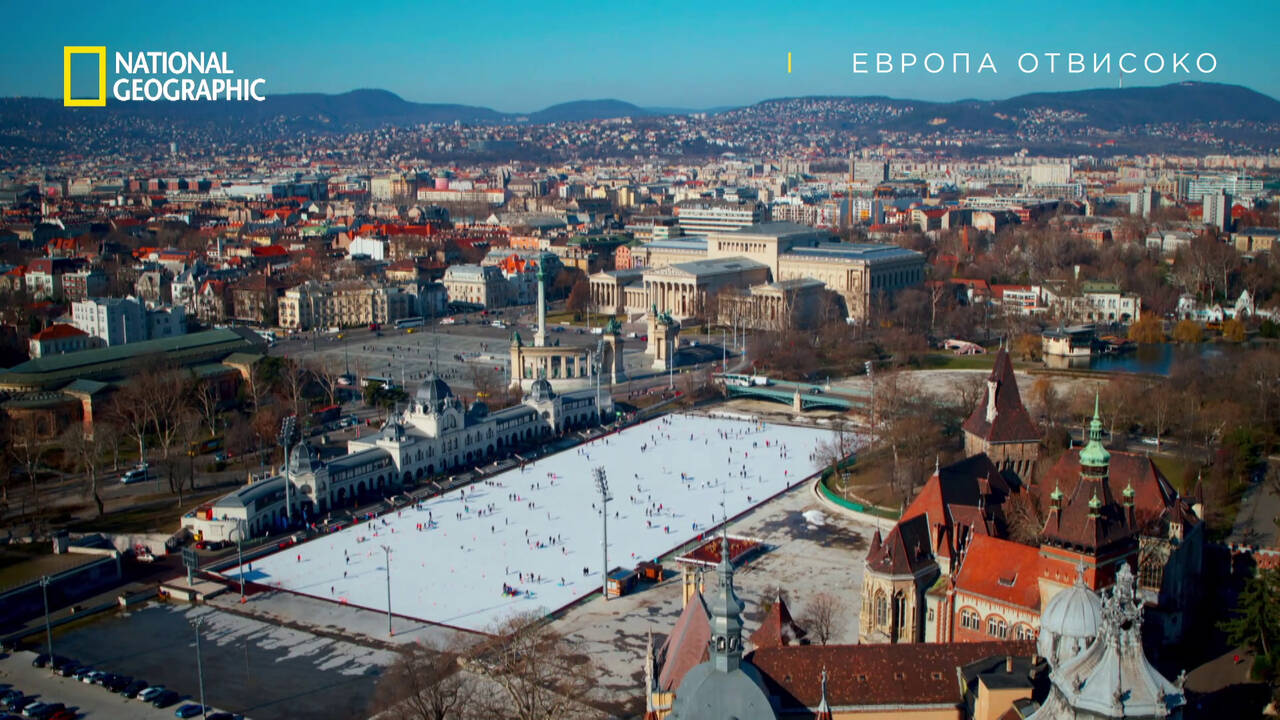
{"x": 157, "y": 513}
{"x": 948, "y": 361}
{"x": 1178, "y": 471}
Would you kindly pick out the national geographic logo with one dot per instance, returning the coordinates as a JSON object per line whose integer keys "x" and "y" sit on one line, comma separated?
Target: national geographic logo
{"x": 160, "y": 76}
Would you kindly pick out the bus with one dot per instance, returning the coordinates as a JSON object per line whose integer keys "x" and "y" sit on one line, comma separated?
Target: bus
{"x": 410, "y": 322}
{"x": 201, "y": 447}
{"x": 326, "y": 414}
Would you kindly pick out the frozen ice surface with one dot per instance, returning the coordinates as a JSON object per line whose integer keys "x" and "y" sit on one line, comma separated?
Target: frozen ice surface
{"x": 537, "y": 529}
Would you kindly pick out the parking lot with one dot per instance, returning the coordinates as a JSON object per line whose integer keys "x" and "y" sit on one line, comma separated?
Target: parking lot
{"x": 89, "y": 701}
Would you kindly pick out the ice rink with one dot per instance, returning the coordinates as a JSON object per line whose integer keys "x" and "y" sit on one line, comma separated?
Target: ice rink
{"x": 537, "y": 529}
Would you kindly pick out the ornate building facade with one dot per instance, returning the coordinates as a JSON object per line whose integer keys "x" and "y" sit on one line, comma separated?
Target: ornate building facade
{"x": 947, "y": 571}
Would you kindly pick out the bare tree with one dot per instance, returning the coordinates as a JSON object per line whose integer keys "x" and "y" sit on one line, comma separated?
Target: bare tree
{"x": 1023, "y": 517}
{"x": 425, "y": 683}
{"x": 28, "y": 449}
{"x": 541, "y": 678}
{"x": 207, "y": 399}
{"x": 326, "y": 377}
{"x": 824, "y": 617}
{"x": 293, "y": 383}
{"x": 832, "y": 451}
{"x": 128, "y": 410}
{"x": 85, "y": 448}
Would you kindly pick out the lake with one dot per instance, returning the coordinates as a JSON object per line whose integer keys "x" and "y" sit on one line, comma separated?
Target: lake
{"x": 1156, "y": 359}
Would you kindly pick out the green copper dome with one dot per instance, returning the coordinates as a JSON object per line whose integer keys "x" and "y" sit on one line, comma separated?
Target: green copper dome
{"x": 1094, "y": 454}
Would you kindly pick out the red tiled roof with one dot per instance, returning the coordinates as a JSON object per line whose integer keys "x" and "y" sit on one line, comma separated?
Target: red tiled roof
{"x": 687, "y": 646}
{"x": 1002, "y": 570}
{"x": 895, "y": 675}
{"x": 778, "y": 629}
{"x": 59, "y": 331}
{"x": 1154, "y": 500}
{"x": 1011, "y": 423}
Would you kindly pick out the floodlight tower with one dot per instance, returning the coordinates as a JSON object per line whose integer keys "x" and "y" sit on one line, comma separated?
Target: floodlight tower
{"x": 602, "y": 487}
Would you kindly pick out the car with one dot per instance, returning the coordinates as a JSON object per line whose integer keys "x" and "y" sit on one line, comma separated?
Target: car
{"x": 149, "y": 694}
{"x": 68, "y": 669}
{"x": 145, "y": 557}
{"x": 40, "y": 660}
{"x": 10, "y": 697}
{"x": 165, "y": 699}
{"x": 67, "y": 714}
{"x": 21, "y": 703}
{"x": 84, "y": 674}
{"x": 132, "y": 689}
{"x": 135, "y": 475}
{"x": 47, "y": 710}
{"x": 118, "y": 683}
{"x": 189, "y": 710}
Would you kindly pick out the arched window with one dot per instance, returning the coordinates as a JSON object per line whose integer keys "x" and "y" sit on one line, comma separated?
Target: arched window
{"x": 882, "y": 609}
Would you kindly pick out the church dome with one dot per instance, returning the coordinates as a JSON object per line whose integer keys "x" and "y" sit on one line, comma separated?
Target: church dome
{"x": 540, "y": 390}
{"x": 1069, "y": 623}
{"x": 432, "y": 391}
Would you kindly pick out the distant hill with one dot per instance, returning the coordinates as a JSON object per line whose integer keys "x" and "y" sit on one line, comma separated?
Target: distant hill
{"x": 580, "y": 110}
{"x": 1240, "y": 113}
{"x": 1110, "y": 108}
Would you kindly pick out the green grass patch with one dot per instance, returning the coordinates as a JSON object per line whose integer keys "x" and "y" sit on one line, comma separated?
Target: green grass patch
{"x": 947, "y": 361}
{"x": 1178, "y": 471}
{"x": 159, "y": 515}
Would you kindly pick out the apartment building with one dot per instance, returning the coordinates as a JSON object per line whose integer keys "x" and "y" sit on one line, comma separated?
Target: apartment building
{"x": 314, "y": 305}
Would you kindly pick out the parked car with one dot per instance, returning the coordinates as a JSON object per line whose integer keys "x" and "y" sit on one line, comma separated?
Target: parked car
{"x": 165, "y": 699}
{"x": 84, "y": 674}
{"x": 133, "y": 688}
{"x": 145, "y": 556}
{"x": 134, "y": 476}
{"x": 118, "y": 683}
{"x": 47, "y": 711}
{"x": 150, "y": 693}
{"x": 68, "y": 669}
{"x": 19, "y": 704}
{"x": 40, "y": 660}
{"x": 9, "y": 697}
{"x": 189, "y": 710}
{"x": 223, "y": 716}
{"x": 67, "y": 714}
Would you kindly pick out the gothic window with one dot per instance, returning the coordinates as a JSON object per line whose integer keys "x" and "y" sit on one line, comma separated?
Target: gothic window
{"x": 1151, "y": 572}
{"x": 882, "y": 609}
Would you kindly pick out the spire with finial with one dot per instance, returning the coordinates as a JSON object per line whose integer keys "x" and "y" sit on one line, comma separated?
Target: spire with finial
{"x": 1095, "y": 456}
{"x": 726, "y": 614}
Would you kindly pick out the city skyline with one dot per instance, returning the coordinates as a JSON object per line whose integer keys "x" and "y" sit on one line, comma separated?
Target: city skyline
{"x": 523, "y": 58}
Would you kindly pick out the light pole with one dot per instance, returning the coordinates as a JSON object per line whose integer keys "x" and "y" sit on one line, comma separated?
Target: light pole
{"x": 199, "y": 666}
{"x": 599, "y": 369}
{"x": 288, "y": 426}
{"x": 240, "y": 555}
{"x": 48, "y": 629}
{"x": 602, "y": 487}
{"x": 386, "y": 549}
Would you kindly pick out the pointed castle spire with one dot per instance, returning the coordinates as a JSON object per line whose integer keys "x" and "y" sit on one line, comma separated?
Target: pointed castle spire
{"x": 726, "y": 614}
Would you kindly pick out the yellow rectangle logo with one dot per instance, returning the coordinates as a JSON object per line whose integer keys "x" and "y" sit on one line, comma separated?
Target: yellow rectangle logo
{"x": 101, "y": 52}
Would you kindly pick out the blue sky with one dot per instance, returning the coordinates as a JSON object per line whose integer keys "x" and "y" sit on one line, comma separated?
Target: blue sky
{"x": 524, "y": 56}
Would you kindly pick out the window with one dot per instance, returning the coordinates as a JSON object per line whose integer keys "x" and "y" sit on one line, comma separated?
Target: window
{"x": 882, "y": 609}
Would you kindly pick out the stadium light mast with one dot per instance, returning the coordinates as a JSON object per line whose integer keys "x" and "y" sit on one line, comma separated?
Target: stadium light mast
{"x": 48, "y": 629}
{"x": 199, "y": 665}
{"x": 386, "y": 549}
{"x": 288, "y": 426}
{"x": 602, "y": 487}
{"x": 240, "y": 556}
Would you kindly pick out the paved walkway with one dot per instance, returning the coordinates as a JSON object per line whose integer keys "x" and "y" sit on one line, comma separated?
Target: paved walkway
{"x": 92, "y": 701}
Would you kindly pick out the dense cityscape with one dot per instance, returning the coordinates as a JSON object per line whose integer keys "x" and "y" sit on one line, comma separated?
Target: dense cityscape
{"x": 932, "y": 409}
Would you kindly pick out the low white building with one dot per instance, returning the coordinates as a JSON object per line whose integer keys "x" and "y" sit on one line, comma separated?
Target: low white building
{"x": 435, "y": 434}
